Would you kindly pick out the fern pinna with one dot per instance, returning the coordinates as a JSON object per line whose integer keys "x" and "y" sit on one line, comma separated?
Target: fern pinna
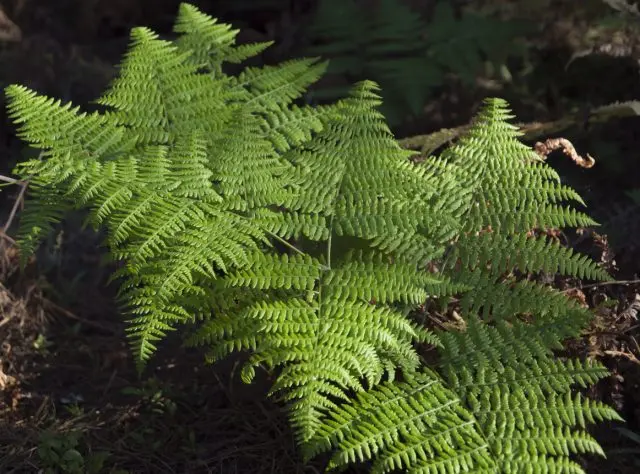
{"x": 201, "y": 179}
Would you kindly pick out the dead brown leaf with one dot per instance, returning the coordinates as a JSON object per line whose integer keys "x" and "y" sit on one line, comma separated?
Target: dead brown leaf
{"x": 9, "y": 31}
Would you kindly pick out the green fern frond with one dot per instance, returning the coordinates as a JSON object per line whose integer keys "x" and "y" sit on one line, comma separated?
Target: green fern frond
{"x": 297, "y": 272}
{"x": 498, "y": 297}
{"x": 504, "y": 405}
{"x": 38, "y": 221}
{"x": 322, "y": 326}
{"x": 503, "y": 253}
{"x": 520, "y": 397}
{"x": 292, "y": 225}
{"x": 407, "y": 54}
{"x": 145, "y": 203}
{"x": 369, "y": 277}
{"x": 160, "y": 93}
{"x": 71, "y": 142}
{"x": 252, "y": 183}
{"x": 495, "y": 369}
{"x": 49, "y": 125}
{"x": 355, "y": 171}
{"x": 276, "y": 86}
{"x": 290, "y": 127}
{"x": 415, "y": 426}
{"x": 306, "y": 237}
{"x": 511, "y": 188}
{"x": 492, "y": 168}
{"x": 211, "y": 43}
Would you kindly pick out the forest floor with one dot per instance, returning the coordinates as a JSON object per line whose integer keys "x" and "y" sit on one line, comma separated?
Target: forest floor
{"x": 69, "y": 392}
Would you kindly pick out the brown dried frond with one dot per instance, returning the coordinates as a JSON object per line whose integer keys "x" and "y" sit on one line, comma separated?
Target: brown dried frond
{"x": 543, "y": 149}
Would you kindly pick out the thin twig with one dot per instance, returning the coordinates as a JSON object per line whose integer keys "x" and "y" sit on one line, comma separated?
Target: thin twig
{"x": 69, "y": 314}
{"x": 605, "y": 283}
{"x": 6, "y": 179}
{"x": 626, "y": 355}
{"x": 16, "y": 205}
{"x": 4, "y": 236}
{"x": 19, "y": 200}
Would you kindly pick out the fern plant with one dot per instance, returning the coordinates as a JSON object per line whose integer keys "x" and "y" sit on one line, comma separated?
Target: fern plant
{"x": 406, "y": 54}
{"x": 305, "y": 236}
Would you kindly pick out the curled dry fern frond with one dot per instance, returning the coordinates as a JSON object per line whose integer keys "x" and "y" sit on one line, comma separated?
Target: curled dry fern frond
{"x": 202, "y": 179}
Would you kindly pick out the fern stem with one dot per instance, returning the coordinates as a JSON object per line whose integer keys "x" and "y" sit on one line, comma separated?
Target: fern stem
{"x": 285, "y": 243}
{"x": 329, "y": 240}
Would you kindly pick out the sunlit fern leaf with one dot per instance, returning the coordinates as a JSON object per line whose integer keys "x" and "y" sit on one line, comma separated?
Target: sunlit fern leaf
{"x": 505, "y": 375}
{"x": 275, "y": 86}
{"x": 148, "y": 175}
{"x": 522, "y": 397}
{"x": 189, "y": 168}
{"x": 504, "y": 253}
{"x": 211, "y": 43}
{"x": 248, "y": 184}
{"x": 71, "y": 142}
{"x": 159, "y": 93}
{"x": 288, "y": 127}
{"x": 153, "y": 296}
{"x": 503, "y": 405}
{"x": 355, "y": 171}
{"x": 49, "y": 125}
{"x": 321, "y": 327}
{"x": 294, "y": 225}
{"x": 500, "y": 297}
{"x": 415, "y": 426}
{"x": 498, "y": 173}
